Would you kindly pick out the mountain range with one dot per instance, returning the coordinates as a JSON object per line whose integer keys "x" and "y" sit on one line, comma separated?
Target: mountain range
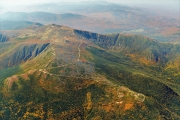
{"x": 102, "y": 17}
{"x": 14, "y": 25}
{"x": 89, "y": 61}
{"x": 56, "y": 72}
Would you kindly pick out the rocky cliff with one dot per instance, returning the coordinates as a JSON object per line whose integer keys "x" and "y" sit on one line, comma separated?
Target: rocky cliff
{"x": 21, "y": 54}
{"x": 3, "y": 38}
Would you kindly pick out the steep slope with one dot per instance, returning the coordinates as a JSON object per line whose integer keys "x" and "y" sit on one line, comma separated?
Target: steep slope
{"x": 3, "y": 38}
{"x": 157, "y": 57}
{"x": 136, "y": 46}
{"x": 82, "y": 75}
{"x": 21, "y": 53}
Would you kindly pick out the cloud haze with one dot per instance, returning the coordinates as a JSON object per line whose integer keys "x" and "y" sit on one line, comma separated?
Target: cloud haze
{"x": 9, "y": 5}
{"x": 155, "y": 2}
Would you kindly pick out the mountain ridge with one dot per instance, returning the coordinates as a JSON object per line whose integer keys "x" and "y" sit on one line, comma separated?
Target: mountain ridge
{"x": 39, "y": 16}
{"x": 80, "y": 75}
{"x": 113, "y": 19}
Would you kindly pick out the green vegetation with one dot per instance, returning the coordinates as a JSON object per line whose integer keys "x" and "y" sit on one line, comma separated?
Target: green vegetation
{"x": 92, "y": 76}
{"x": 4, "y": 73}
{"x": 122, "y": 73}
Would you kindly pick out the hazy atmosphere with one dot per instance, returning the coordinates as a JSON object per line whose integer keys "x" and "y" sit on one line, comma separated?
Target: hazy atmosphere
{"x": 89, "y": 60}
{"x": 173, "y": 4}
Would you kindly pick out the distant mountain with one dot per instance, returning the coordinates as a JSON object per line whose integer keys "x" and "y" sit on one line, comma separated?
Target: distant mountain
{"x": 13, "y": 25}
{"x": 56, "y": 72}
{"x": 99, "y": 7}
{"x": 42, "y": 17}
{"x": 70, "y": 16}
{"x": 102, "y": 17}
{"x": 65, "y": 7}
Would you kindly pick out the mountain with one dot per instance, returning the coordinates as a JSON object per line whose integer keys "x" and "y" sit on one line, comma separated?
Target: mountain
{"x": 56, "y": 72}
{"x": 43, "y": 17}
{"x": 102, "y": 17}
{"x": 83, "y": 6}
{"x": 13, "y": 25}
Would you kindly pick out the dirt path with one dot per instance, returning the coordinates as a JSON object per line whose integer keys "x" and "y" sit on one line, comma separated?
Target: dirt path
{"x": 73, "y": 32}
{"x": 79, "y": 51}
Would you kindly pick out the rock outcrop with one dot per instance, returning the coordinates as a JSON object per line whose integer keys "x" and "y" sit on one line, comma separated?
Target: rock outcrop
{"x": 3, "y": 38}
{"x": 22, "y": 53}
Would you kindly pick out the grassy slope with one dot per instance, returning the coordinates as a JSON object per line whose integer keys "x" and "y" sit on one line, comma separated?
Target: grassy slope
{"x": 123, "y": 73}
{"x": 41, "y": 99}
{"x": 34, "y": 94}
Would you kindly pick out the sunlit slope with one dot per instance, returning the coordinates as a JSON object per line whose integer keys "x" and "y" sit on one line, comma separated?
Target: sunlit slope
{"x": 83, "y": 75}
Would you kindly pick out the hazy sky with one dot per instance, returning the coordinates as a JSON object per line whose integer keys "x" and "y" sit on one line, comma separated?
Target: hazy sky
{"x": 172, "y": 4}
{"x": 158, "y": 2}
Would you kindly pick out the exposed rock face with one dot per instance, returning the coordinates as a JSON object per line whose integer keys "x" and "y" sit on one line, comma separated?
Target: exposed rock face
{"x": 86, "y": 34}
{"x": 23, "y": 53}
{"x": 131, "y": 44}
{"x": 3, "y": 38}
{"x": 102, "y": 40}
